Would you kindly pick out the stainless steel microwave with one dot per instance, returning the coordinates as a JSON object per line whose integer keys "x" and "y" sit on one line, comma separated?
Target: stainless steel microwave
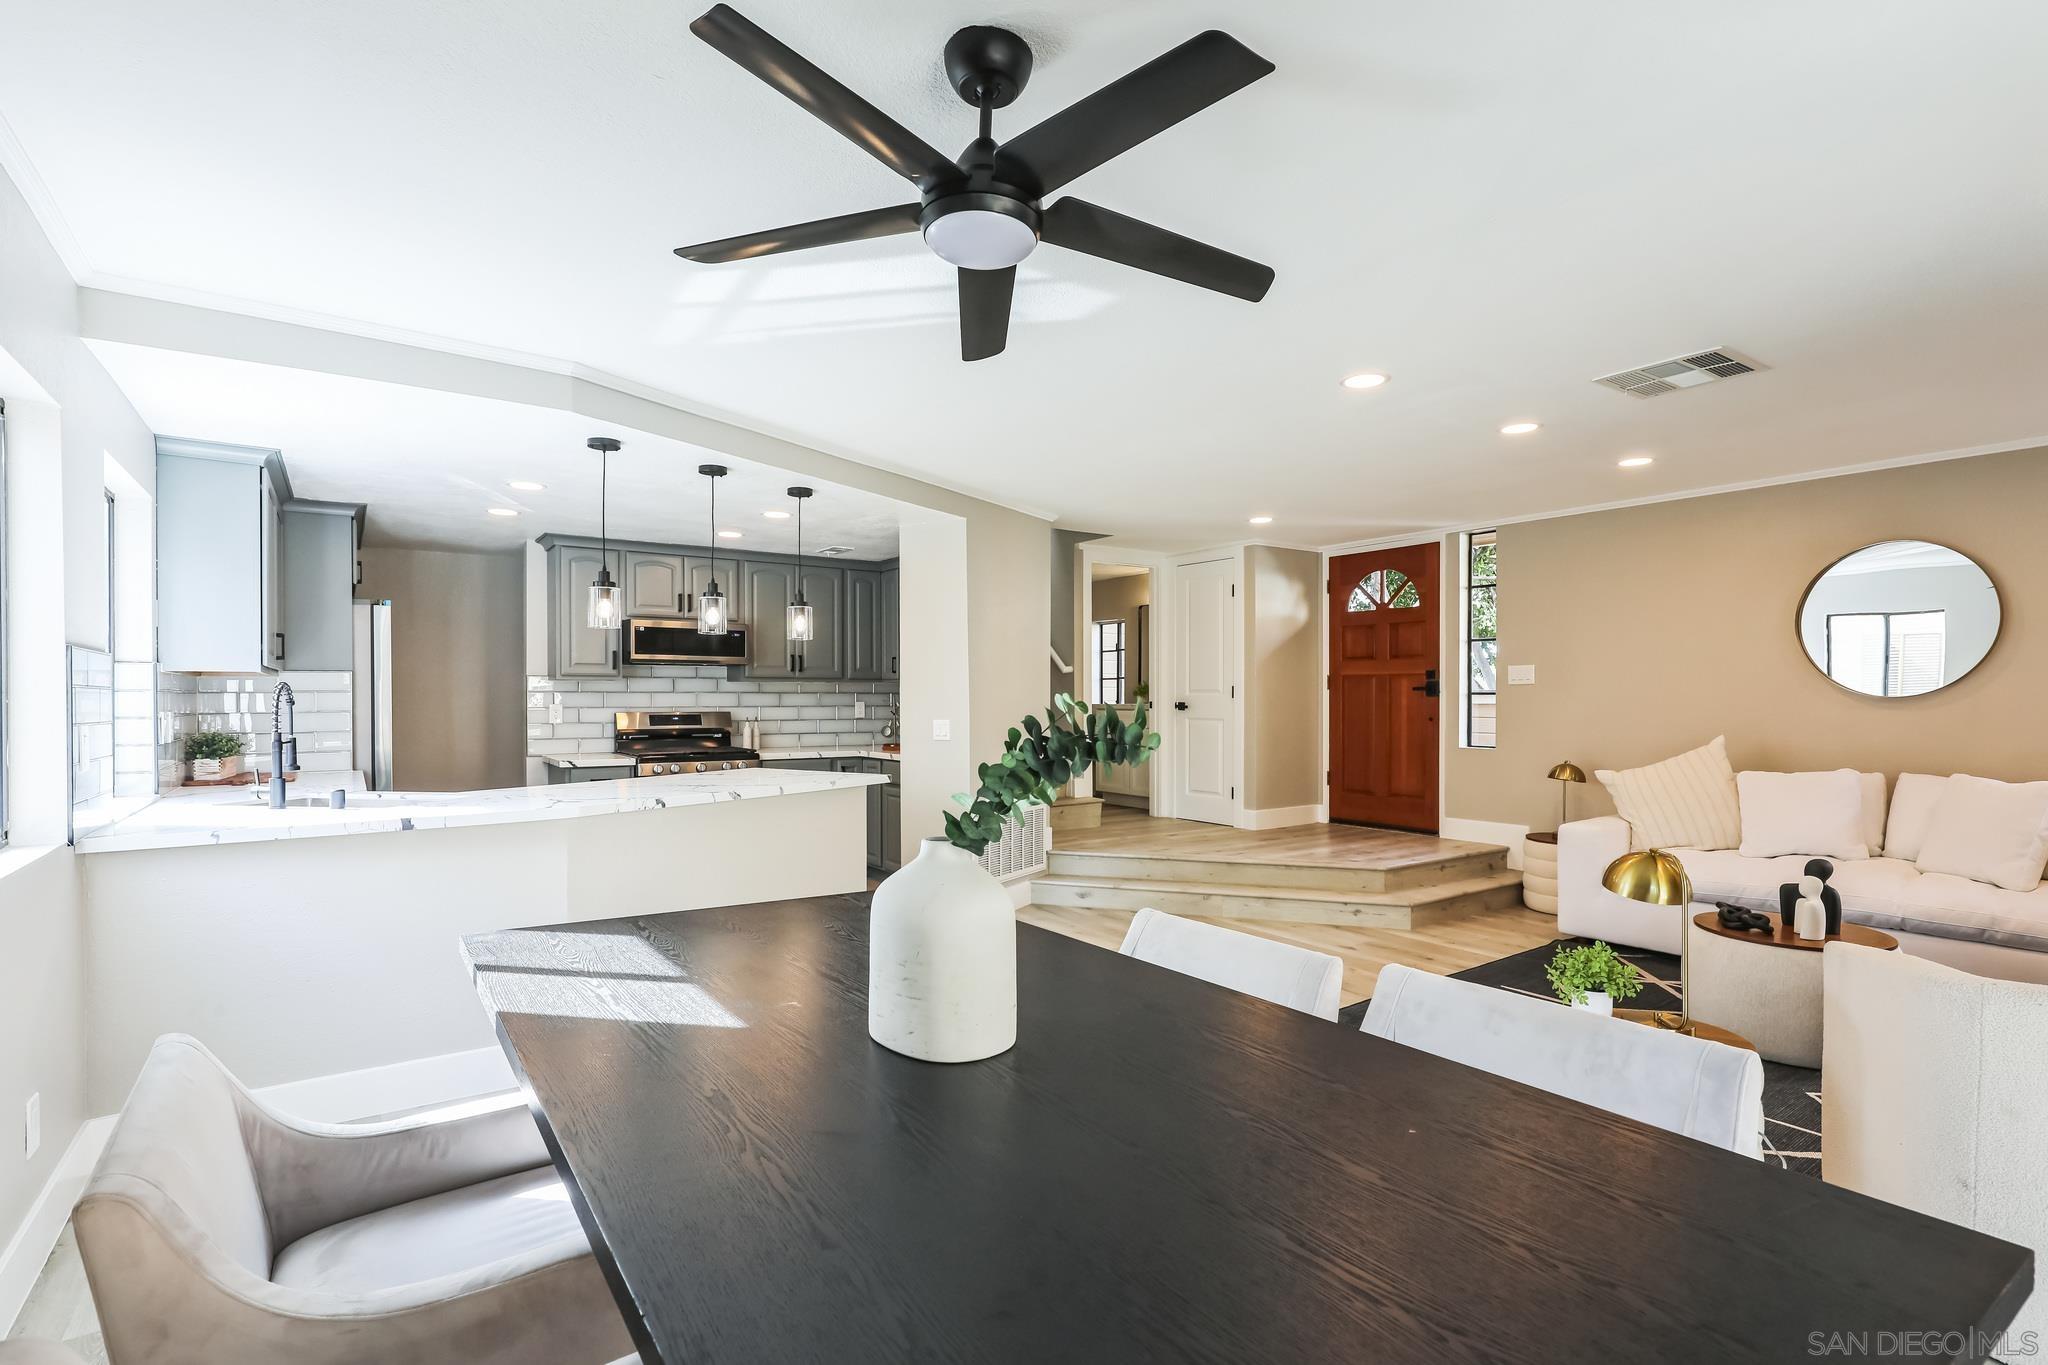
{"x": 669, "y": 640}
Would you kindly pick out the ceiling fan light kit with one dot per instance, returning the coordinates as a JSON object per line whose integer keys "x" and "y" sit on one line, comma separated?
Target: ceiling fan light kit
{"x": 984, "y": 212}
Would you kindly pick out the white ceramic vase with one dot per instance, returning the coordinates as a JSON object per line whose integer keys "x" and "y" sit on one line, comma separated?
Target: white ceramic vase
{"x": 1595, "y": 1002}
{"x": 942, "y": 959}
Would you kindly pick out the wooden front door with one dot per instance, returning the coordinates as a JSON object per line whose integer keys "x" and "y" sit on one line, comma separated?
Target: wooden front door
{"x": 1385, "y": 609}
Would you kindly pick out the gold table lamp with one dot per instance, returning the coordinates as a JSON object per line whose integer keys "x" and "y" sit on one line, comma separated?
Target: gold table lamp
{"x": 1654, "y": 877}
{"x": 1564, "y": 774}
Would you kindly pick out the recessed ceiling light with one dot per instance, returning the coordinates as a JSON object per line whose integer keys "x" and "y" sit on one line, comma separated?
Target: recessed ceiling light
{"x": 1518, "y": 428}
{"x": 1637, "y": 461}
{"x": 527, "y": 486}
{"x": 775, "y": 515}
{"x": 728, "y": 535}
{"x": 1262, "y": 521}
{"x": 503, "y": 511}
{"x": 1365, "y": 379}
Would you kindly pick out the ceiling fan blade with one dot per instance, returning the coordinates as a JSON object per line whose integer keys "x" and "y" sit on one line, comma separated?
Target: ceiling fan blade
{"x": 847, "y": 227}
{"x": 1125, "y": 112}
{"x": 985, "y": 311}
{"x": 882, "y": 137}
{"x": 1093, "y": 230}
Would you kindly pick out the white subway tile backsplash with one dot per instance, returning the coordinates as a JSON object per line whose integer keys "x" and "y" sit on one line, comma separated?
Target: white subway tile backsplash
{"x": 791, "y": 713}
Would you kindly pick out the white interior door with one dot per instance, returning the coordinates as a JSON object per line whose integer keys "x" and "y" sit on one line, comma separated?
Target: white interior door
{"x": 1204, "y": 704}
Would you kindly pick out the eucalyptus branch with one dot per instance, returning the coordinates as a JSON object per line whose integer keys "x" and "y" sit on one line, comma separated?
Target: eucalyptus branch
{"x": 1041, "y": 758}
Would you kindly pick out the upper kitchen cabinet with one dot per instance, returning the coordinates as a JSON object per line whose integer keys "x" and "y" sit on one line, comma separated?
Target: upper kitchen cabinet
{"x": 320, "y": 541}
{"x": 576, "y": 650}
{"x": 770, "y": 586}
{"x": 892, "y": 621}
{"x": 654, "y": 584}
{"x": 865, "y": 656}
{"x": 220, "y": 558}
{"x": 698, "y": 573}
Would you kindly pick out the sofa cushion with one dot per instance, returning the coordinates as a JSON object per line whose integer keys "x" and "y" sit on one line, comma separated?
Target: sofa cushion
{"x": 1684, "y": 802}
{"x": 1873, "y": 812}
{"x": 1989, "y": 831}
{"x": 444, "y": 1234}
{"x": 1820, "y": 814}
{"x": 1914, "y": 798}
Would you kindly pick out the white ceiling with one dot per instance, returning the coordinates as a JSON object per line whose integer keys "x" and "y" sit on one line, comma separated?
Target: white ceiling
{"x": 429, "y": 463}
{"x": 1493, "y": 204}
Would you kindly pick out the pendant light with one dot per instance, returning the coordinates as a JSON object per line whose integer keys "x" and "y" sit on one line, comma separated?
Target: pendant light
{"x": 604, "y": 593}
{"x": 711, "y": 618}
{"x": 799, "y": 609}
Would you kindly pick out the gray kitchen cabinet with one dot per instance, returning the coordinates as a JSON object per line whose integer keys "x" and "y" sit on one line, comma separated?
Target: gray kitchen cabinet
{"x": 801, "y": 765}
{"x": 319, "y": 541}
{"x": 825, "y": 655}
{"x": 220, "y": 560}
{"x": 892, "y": 827}
{"x": 699, "y": 570}
{"x": 577, "y": 650}
{"x": 558, "y": 776}
{"x": 769, "y": 588}
{"x": 875, "y": 849}
{"x": 653, "y": 584}
{"x": 892, "y": 621}
{"x": 865, "y": 653}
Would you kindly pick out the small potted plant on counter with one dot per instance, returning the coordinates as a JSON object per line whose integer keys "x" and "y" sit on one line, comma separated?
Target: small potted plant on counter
{"x": 1592, "y": 977}
{"x": 215, "y": 755}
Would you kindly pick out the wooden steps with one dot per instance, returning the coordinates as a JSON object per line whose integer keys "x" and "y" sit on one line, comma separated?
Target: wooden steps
{"x": 1401, "y": 908}
{"x": 1453, "y": 862}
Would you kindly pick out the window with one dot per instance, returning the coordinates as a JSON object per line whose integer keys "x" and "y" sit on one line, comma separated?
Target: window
{"x": 1387, "y": 589}
{"x": 1109, "y": 663}
{"x": 1482, "y": 642}
{"x": 1888, "y": 653}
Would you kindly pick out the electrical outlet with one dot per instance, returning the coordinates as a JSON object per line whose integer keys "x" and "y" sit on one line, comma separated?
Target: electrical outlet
{"x": 32, "y": 1126}
{"x": 555, "y": 713}
{"x": 860, "y": 709}
{"x": 942, "y": 729}
{"x": 1521, "y": 674}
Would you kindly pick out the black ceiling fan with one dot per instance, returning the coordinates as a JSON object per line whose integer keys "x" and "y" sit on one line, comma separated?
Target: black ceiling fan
{"x": 983, "y": 213}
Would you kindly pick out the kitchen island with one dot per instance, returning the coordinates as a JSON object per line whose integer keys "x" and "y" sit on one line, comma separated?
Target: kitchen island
{"x": 313, "y": 941}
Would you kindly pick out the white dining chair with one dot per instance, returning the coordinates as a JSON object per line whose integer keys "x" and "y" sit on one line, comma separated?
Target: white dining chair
{"x": 1298, "y": 978}
{"x": 217, "y": 1232}
{"x": 1704, "y": 1090}
{"x": 1932, "y": 1096}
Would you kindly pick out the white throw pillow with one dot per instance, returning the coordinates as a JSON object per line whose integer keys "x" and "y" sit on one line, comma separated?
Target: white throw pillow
{"x": 1913, "y": 803}
{"x": 1989, "y": 831}
{"x": 1817, "y": 815}
{"x": 1873, "y": 812}
{"x": 1684, "y": 802}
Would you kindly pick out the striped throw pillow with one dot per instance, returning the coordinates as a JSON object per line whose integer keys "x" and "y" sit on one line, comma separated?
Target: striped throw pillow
{"x": 1684, "y": 802}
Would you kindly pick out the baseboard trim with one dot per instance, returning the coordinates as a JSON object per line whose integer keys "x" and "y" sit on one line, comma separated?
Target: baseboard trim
{"x": 22, "y": 1262}
{"x": 339, "y": 1098}
{"x": 1281, "y": 817}
{"x": 1489, "y": 832}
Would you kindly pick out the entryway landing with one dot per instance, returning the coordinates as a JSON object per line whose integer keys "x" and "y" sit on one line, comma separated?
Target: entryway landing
{"x": 1327, "y": 874}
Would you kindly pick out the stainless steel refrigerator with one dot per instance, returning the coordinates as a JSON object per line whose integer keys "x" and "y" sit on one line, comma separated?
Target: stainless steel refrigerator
{"x": 371, "y": 693}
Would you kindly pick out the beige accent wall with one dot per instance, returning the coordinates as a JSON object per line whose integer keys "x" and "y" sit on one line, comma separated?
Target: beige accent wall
{"x": 1655, "y": 628}
{"x": 458, "y": 634}
{"x": 1283, "y": 705}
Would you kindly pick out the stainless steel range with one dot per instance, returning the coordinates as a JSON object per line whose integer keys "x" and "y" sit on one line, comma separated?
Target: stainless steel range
{"x": 663, "y": 742}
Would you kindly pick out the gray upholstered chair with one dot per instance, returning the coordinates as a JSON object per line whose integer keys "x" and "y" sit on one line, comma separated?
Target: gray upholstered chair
{"x": 1688, "y": 1085}
{"x": 1932, "y": 1097}
{"x": 1298, "y": 978}
{"x": 215, "y": 1232}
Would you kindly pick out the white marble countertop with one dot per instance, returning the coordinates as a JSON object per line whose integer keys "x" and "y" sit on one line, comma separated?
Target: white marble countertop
{"x": 192, "y": 817}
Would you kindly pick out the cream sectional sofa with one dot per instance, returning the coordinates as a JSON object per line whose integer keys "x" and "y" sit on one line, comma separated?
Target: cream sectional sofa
{"x": 1968, "y": 924}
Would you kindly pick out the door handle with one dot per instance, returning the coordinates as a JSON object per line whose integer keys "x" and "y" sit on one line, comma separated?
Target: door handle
{"x": 615, "y": 656}
{"x": 682, "y": 604}
{"x": 689, "y": 600}
{"x": 1180, "y": 706}
{"x": 1430, "y": 686}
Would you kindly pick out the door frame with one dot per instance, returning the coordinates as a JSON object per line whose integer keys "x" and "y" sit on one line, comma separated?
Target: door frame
{"x": 1448, "y": 588}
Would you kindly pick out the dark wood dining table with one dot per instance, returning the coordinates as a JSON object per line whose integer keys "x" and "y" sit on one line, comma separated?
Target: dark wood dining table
{"x": 1159, "y": 1170}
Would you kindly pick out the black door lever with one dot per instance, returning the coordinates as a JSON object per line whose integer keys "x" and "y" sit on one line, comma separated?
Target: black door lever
{"x": 1430, "y": 686}
{"x": 1180, "y": 706}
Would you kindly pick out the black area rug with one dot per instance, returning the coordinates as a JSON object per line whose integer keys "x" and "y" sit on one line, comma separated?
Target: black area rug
{"x": 1791, "y": 1093}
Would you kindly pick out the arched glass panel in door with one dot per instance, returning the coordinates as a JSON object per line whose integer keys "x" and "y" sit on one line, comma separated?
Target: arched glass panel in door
{"x": 1390, "y": 589}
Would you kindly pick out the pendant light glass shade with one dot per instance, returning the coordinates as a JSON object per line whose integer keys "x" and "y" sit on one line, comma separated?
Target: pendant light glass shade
{"x": 799, "y": 620}
{"x": 711, "y": 615}
{"x": 604, "y": 602}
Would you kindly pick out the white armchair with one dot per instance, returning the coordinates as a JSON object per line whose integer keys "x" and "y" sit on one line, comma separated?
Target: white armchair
{"x": 1590, "y": 910}
{"x": 1933, "y": 1096}
{"x": 215, "y": 1232}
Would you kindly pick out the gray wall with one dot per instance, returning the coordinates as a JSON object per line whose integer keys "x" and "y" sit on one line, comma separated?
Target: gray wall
{"x": 458, "y": 628}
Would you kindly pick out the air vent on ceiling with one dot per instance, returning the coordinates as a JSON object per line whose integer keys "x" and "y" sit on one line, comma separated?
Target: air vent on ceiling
{"x": 831, "y": 550}
{"x": 1685, "y": 372}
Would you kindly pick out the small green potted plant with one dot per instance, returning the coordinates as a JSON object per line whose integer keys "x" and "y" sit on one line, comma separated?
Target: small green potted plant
{"x": 215, "y": 755}
{"x": 1592, "y": 977}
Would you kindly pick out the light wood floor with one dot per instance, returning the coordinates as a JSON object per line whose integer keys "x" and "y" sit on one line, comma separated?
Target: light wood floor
{"x": 1349, "y": 846}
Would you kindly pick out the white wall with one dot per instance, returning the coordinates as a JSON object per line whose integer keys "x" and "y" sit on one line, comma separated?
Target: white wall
{"x": 66, "y": 422}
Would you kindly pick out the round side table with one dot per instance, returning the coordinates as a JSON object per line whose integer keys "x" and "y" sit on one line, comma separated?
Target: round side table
{"x": 1767, "y": 987}
{"x": 1539, "y": 873}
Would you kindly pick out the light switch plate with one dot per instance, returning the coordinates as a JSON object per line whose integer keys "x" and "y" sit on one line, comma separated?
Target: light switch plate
{"x": 942, "y": 729}
{"x": 1520, "y": 674}
{"x": 860, "y": 709}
